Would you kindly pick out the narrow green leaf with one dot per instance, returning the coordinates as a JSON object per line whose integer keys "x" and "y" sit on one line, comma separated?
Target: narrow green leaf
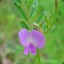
{"x": 20, "y": 1}
{"x": 24, "y": 1}
{"x": 40, "y": 18}
{"x": 20, "y": 9}
{"x": 33, "y": 8}
{"x": 24, "y": 25}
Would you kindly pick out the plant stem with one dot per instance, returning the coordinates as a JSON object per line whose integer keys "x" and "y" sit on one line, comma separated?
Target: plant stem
{"x": 56, "y": 6}
{"x": 38, "y": 55}
{"x": 56, "y": 9}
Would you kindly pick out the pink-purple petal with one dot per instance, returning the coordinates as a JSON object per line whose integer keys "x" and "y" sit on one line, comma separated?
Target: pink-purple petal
{"x": 26, "y": 50}
{"x": 39, "y": 38}
{"x": 32, "y": 49}
{"x": 23, "y": 36}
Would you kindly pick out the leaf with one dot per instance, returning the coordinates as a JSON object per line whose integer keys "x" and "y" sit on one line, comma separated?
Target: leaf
{"x": 20, "y": 1}
{"x": 39, "y": 19}
{"x": 20, "y": 9}
{"x": 33, "y": 8}
{"x": 24, "y": 25}
{"x": 44, "y": 27}
{"x": 24, "y": 1}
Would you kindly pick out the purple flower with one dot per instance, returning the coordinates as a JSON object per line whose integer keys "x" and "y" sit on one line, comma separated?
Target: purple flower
{"x": 31, "y": 40}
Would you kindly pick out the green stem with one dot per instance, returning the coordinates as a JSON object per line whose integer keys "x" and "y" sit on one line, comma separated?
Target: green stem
{"x": 56, "y": 9}
{"x": 38, "y": 55}
{"x": 56, "y": 6}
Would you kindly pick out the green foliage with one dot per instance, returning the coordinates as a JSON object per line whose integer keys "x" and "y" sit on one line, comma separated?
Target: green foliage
{"x": 20, "y": 10}
{"x": 24, "y": 25}
{"x": 40, "y": 18}
{"x": 24, "y": 1}
{"x": 33, "y": 8}
{"x": 53, "y": 52}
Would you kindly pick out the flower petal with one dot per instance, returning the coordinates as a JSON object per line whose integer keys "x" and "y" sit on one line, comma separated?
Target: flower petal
{"x": 23, "y": 36}
{"x": 39, "y": 39}
{"x": 26, "y": 50}
{"x": 32, "y": 49}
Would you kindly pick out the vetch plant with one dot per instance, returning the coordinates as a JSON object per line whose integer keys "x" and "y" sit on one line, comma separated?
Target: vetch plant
{"x": 32, "y": 39}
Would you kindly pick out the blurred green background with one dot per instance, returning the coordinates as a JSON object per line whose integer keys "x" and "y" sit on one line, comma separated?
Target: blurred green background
{"x": 11, "y": 52}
